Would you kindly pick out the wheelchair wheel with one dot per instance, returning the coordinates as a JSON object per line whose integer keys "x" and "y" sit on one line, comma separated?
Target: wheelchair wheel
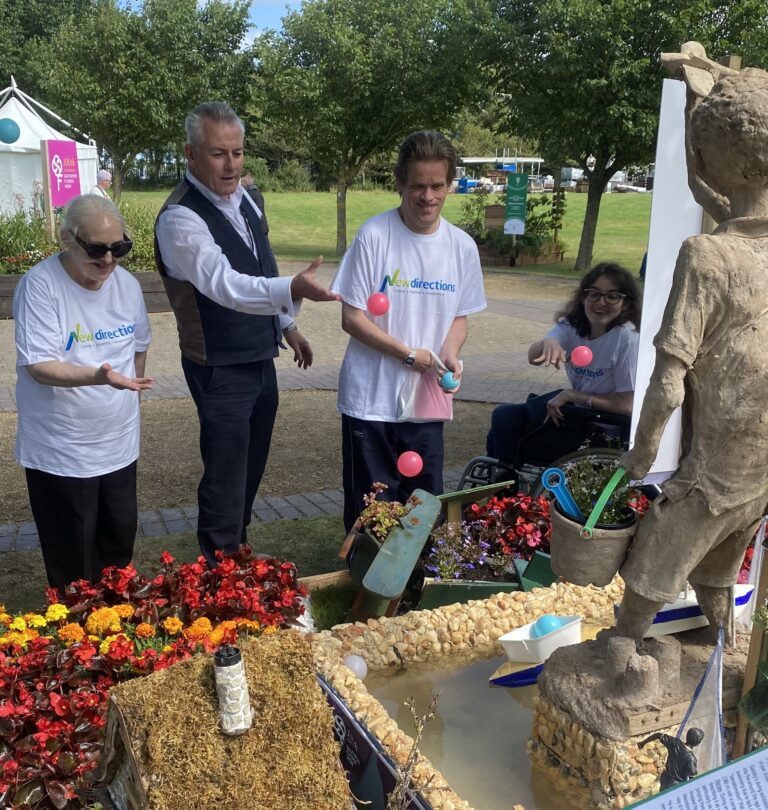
{"x": 598, "y": 453}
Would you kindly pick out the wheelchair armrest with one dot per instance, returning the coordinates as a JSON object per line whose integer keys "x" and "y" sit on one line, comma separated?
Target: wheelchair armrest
{"x": 582, "y": 416}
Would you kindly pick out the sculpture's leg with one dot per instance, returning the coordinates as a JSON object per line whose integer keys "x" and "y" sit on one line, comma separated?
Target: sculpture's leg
{"x": 717, "y": 605}
{"x": 635, "y": 615}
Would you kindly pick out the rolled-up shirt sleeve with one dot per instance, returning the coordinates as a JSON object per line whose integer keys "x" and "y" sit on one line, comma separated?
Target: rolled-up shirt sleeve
{"x": 190, "y": 254}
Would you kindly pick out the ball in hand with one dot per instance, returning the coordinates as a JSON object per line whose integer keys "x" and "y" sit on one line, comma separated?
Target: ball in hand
{"x": 448, "y": 382}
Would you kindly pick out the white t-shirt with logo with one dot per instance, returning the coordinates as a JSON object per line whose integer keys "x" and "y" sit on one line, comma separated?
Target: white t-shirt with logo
{"x": 430, "y": 279}
{"x": 89, "y": 430}
{"x": 614, "y": 358}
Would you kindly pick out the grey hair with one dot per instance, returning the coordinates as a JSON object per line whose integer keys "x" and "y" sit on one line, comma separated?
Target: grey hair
{"x": 103, "y": 174}
{"x": 218, "y": 111}
{"x": 85, "y": 208}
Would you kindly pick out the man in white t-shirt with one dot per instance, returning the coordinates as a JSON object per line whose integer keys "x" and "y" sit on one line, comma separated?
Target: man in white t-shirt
{"x": 430, "y": 272}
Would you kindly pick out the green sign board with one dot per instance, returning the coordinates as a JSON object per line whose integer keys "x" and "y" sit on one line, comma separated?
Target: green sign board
{"x": 514, "y": 213}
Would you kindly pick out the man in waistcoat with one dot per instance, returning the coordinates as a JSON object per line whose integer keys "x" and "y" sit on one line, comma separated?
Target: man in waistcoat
{"x": 232, "y": 311}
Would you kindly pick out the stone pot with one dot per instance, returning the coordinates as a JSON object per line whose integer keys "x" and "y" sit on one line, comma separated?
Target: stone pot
{"x": 593, "y": 561}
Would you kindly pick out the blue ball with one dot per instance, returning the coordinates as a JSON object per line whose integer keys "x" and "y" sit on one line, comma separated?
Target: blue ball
{"x": 545, "y": 624}
{"x": 448, "y": 383}
{"x": 9, "y": 130}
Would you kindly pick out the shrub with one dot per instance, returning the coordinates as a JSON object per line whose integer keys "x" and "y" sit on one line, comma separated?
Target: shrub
{"x": 543, "y": 221}
{"x": 24, "y": 241}
{"x": 140, "y": 220}
{"x": 258, "y": 169}
{"x": 292, "y": 176}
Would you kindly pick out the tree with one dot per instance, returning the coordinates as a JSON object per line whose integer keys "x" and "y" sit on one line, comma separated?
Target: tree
{"x": 583, "y": 77}
{"x": 25, "y": 25}
{"x": 162, "y": 59}
{"x": 347, "y": 79}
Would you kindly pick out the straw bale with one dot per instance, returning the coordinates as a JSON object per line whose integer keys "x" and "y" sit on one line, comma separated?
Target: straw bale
{"x": 288, "y": 760}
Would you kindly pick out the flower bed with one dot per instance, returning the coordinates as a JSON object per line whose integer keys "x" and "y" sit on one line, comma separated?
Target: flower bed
{"x": 490, "y": 537}
{"x": 57, "y": 666}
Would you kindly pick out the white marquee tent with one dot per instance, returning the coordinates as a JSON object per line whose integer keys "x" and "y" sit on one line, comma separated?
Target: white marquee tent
{"x": 21, "y": 169}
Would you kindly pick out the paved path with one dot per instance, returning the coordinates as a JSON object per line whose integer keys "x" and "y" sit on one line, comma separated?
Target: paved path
{"x": 496, "y": 370}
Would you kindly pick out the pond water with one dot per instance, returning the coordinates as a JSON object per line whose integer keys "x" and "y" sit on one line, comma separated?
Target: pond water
{"x": 477, "y": 738}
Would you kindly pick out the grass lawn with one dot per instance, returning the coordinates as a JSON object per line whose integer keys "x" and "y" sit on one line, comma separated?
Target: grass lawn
{"x": 313, "y": 544}
{"x": 303, "y": 225}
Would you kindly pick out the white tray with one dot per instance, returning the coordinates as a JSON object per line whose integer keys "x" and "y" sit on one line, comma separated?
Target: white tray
{"x": 519, "y": 646}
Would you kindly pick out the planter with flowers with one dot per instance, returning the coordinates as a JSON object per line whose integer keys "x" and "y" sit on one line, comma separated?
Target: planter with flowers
{"x": 57, "y": 666}
{"x": 477, "y": 557}
{"x": 591, "y": 535}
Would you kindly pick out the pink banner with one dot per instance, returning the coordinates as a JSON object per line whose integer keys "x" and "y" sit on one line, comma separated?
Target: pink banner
{"x": 63, "y": 171}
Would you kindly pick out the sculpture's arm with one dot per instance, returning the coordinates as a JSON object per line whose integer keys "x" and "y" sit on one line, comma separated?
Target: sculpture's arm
{"x": 666, "y": 392}
{"x": 692, "y": 66}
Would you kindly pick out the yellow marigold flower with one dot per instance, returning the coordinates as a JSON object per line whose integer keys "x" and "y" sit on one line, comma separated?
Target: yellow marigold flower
{"x": 249, "y": 625}
{"x": 71, "y": 633}
{"x": 145, "y": 630}
{"x": 56, "y": 612}
{"x": 199, "y": 629}
{"x": 270, "y": 630}
{"x": 5, "y": 618}
{"x": 124, "y": 611}
{"x": 167, "y": 648}
{"x": 217, "y": 635}
{"x": 172, "y": 625}
{"x": 35, "y": 620}
{"x": 18, "y": 624}
{"x": 103, "y": 620}
{"x": 94, "y": 639}
{"x": 15, "y": 637}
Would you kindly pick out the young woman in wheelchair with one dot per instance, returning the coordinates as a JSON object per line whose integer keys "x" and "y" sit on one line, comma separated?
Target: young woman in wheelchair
{"x": 604, "y": 315}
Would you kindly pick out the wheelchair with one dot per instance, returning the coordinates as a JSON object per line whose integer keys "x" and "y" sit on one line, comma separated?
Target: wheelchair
{"x": 605, "y": 434}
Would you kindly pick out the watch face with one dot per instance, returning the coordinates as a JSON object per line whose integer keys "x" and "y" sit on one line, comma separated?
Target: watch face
{"x": 409, "y": 361}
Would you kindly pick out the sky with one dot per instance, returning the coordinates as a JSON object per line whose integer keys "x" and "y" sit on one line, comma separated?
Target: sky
{"x": 269, "y": 13}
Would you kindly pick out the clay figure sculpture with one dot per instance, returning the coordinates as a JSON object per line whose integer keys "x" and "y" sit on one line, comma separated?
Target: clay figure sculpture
{"x": 681, "y": 761}
{"x": 711, "y": 358}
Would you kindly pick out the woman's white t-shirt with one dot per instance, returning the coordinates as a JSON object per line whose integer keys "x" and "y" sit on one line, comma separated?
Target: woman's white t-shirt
{"x": 430, "y": 279}
{"x": 614, "y": 358}
{"x": 89, "y": 430}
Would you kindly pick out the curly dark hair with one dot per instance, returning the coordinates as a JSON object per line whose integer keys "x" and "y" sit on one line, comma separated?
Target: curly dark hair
{"x": 574, "y": 312}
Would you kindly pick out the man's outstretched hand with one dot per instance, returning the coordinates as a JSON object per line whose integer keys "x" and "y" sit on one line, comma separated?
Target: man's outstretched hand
{"x": 305, "y": 285}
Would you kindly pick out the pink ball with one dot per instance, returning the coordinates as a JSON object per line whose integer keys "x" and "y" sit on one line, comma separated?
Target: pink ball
{"x": 581, "y": 356}
{"x": 378, "y": 304}
{"x": 410, "y": 464}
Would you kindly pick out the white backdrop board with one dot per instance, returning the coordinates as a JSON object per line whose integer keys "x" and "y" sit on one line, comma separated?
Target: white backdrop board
{"x": 675, "y": 216}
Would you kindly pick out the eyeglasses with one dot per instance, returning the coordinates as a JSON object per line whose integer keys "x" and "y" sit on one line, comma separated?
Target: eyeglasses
{"x": 593, "y": 296}
{"x": 97, "y": 250}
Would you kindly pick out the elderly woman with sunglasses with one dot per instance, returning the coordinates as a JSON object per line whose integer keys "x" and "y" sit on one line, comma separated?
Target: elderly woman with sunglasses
{"x": 82, "y": 334}
{"x": 604, "y": 315}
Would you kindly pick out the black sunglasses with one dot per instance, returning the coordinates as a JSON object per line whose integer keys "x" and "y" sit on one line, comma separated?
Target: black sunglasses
{"x": 97, "y": 250}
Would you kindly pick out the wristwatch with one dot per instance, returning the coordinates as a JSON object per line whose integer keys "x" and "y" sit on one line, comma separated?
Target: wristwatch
{"x": 411, "y": 359}
{"x": 290, "y": 328}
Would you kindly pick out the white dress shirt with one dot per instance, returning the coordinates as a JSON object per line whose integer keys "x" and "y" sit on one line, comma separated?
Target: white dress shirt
{"x": 190, "y": 254}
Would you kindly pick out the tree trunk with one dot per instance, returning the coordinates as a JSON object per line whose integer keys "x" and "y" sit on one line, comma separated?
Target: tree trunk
{"x": 117, "y": 180}
{"x": 598, "y": 180}
{"x": 341, "y": 215}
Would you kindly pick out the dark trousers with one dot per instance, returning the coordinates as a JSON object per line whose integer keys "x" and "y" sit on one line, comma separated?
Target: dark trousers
{"x": 84, "y": 524}
{"x": 236, "y": 406}
{"x": 370, "y": 451}
{"x": 509, "y": 423}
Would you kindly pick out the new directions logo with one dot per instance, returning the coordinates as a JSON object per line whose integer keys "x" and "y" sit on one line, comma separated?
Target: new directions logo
{"x": 76, "y": 336}
{"x": 415, "y": 284}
